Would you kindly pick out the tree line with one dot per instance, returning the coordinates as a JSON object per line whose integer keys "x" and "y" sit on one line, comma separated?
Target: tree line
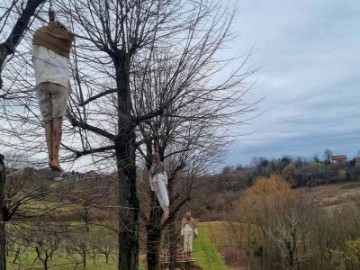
{"x": 230, "y": 183}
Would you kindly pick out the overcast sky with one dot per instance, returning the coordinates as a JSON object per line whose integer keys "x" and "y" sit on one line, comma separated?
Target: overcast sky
{"x": 308, "y": 53}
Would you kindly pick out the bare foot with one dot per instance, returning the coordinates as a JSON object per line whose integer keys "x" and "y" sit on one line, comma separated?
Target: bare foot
{"x": 49, "y": 163}
{"x": 165, "y": 216}
{"x": 56, "y": 166}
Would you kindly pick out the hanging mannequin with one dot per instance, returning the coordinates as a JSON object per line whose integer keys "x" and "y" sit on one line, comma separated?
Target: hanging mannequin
{"x": 51, "y": 50}
{"x": 158, "y": 183}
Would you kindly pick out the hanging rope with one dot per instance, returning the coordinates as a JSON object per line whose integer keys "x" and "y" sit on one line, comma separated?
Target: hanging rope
{"x": 51, "y": 12}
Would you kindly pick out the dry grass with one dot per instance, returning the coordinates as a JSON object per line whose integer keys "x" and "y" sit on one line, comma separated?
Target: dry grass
{"x": 331, "y": 196}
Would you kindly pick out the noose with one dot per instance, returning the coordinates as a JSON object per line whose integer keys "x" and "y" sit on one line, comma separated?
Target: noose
{"x": 51, "y": 12}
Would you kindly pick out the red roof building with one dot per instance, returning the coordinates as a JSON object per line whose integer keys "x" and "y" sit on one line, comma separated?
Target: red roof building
{"x": 338, "y": 159}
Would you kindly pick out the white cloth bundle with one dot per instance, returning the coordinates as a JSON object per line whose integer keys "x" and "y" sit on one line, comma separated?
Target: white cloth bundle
{"x": 158, "y": 178}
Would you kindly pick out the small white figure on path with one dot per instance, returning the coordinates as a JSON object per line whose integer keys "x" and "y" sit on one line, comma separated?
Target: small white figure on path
{"x": 188, "y": 231}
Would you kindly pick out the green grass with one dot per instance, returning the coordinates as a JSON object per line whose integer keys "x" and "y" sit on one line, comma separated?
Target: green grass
{"x": 204, "y": 250}
{"x": 59, "y": 261}
{"x": 205, "y": 253}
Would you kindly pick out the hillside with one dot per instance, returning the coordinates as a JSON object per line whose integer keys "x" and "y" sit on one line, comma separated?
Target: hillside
{"x": 331, "y": 196}
{"x": 212, "y": 241}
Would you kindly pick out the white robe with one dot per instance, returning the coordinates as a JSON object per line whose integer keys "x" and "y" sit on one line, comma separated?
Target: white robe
{"x": 158, "y": 183}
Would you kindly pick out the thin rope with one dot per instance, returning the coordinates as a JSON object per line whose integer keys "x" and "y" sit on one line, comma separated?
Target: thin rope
{"x": 51, "y": 5}
{"x": 52, "y": 14}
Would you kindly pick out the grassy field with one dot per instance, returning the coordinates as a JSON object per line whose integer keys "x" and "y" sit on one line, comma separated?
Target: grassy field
{"x": 62, "y": 263}
{"x": 59, "y": 262}
{"x": 205, "y": 252}
{"x": 206, "y": 244}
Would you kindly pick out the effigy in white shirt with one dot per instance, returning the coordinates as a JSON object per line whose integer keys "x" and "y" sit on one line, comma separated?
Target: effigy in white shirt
{"x": 50, "y": 66}
{"x": 51, "y": 52}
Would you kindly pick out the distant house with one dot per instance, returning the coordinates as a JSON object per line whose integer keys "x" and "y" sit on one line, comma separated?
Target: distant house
{"x": 338, "y": 159}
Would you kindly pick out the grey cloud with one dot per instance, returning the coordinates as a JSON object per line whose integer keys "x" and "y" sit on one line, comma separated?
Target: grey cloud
{"x": 310, "y": 56}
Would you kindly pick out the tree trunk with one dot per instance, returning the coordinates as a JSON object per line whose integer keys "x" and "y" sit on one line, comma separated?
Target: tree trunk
{"x": 125, "y": 158}
{"x": 2, "y": 214}
{"x": 173, "y": 244}
{"x": 46, "y": 267}
{"x": 84, "y": 257}
{"x": 128, "y": 207}
{"x": 153, "y": 230}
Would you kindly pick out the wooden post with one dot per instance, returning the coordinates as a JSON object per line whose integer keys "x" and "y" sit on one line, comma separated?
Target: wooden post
{"x": 2, "y": 214}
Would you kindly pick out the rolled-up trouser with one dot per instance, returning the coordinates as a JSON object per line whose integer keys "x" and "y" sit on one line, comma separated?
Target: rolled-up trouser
{"x": 161, "y": 193}
{"x": 52, "y": 99}
{"x": 188, "y": 241}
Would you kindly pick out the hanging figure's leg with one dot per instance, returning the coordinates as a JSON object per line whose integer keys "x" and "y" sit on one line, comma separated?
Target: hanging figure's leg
{"x": 59, "y": 104}
{"x": 56, "y": 140}
{"x": 49, "y": 141}
{"x": 163, "y": 199}
{"x": 43, "y": 92}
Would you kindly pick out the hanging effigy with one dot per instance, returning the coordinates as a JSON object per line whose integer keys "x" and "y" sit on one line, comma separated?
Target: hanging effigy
{"x": 158, "y": 183}
{"x": 51, "y": 49}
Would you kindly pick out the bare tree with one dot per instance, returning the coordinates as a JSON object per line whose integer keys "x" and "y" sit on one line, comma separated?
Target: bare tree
{"x": 327, "y": 155}
{"x": 31, "y": 205}
{"x": 3, "y": 214}
{"x": 17, "y": 247}
{"x": 150, "y": 100}
{"x": 188, "y": 136}
{"x": 14, "y": 21}
{"x": 132, "y": 96}
{"x": 79, "y": 244}
{"x": 45, "y": 246}
{"x": 15, "y": 14}
{"x": 103, "y": 243}
{"x": 293, "y": 236}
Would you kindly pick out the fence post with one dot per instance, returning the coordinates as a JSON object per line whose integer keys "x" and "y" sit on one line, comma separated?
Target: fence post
{"x": 2, "y": 214}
